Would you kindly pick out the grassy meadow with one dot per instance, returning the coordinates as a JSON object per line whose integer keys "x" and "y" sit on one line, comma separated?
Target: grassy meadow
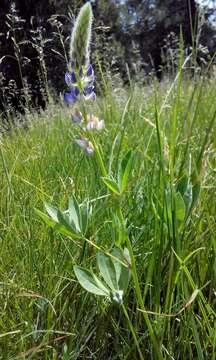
{"x": 165, "y": 217}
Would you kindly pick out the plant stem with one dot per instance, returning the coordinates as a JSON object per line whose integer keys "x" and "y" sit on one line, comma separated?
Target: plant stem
{"x": 139, "y": 294}
{"x": 133, "y": 332}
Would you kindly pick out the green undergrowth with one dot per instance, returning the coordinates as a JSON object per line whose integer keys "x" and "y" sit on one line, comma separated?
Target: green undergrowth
{"x": 169, "y": 211}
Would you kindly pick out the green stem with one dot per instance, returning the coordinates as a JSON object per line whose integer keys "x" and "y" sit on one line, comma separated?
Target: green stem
{"x": 133, "y": 264}
{"x": 132, "y": 331}
{"x": 139, "y": 293}
{"x": 6, "y": 170}
{"x": 98, "y": 156}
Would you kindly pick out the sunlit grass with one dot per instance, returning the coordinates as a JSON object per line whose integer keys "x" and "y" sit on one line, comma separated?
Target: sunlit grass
{"x": 45, "y": 314}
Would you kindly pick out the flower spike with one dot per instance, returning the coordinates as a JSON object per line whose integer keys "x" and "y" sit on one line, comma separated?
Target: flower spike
{"x": 81, "y": 35}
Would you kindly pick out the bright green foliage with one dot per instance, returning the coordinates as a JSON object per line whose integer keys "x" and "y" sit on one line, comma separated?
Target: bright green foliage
{"x": 72, "y": 221}
{"x": 114, "y": 272}
{"x": 112, "y": 185}
{"x": 176, "y": 207}
{"x": 124, "y": 170}
{"x": 90, "y": 282}
{"x": 81, "y": 35}
{"x": 167, "y": 212}
{"x": 125, "y": 166}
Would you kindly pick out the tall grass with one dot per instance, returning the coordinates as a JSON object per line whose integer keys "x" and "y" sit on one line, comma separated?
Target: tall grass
{"x": 169, "y": 215}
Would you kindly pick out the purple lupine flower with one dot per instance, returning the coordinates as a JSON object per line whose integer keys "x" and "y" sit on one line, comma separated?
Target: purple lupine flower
{"x": 89, "y": 149}
{"x": 76, "y": 116}
{"x": 70, "y": 78}
{"x": 71, "y": 96}
{"x": 86, "y": 145}
{"x": 90, "y": 97}
{"x": 94, "y": 123}
{"x": 81, "y": 83}
{"x": 90, "y": 70}
{"x": 88, "y": 89}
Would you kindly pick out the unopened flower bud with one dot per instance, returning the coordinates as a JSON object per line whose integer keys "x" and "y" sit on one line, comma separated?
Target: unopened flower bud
{"x": 86, "y": 145}
{"x": 76, "y": 116}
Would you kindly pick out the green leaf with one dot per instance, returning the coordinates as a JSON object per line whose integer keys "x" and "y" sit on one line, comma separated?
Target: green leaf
{"x": 196, "y": 193}
{"x": 90, "y": 282}
{"x": 182, "y": 184}
{"x": 64, "y": 220}
{"x": 55, "y": 225}
{"x": 125, "y": 170}
{"x": 120, "y": 231}
{"x": 112, "y": 185}
{"x": 107, "y": 270}
{"x": 67, "y": 221}
{"x": 185, "y": 188}
{"x": 85, "y": 213}
{"x": 169, "y": 204}
{"x": 74, "y": 213}
{"x": 122, "y": 272}
{"x": 52, "y": 211}
{"x": 188, "y": 196}
{"x": 180, "y": 208}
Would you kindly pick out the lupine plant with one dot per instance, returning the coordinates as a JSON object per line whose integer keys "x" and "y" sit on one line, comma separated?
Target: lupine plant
{"x": 117, "y": 263}
{"x": 80, "y": 80}
{"x": 73, "y": 222}
{"x": 110, "y": 275}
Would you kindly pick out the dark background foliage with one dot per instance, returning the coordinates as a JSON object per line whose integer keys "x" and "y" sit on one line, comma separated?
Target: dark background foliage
{"x": 141, "y": 36}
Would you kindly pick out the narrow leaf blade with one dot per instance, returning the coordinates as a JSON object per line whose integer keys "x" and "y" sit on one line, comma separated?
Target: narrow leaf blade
{"x": 112, "y": 185}
{"x": 125, "y": 170}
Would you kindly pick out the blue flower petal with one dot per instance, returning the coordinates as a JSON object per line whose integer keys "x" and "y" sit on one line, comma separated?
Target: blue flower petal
{"x": 70, "y": 97}
{"x": 88, "y": 89}
{"x": 73, "y": 77}
{"x": 81, "y": 72}
{"x": 72, "y": 64}
{"x": 93, "y": 96}
{"x": 76, "y": 91}
{"x": 90, "y": 71}
{"x": 90, "y": 97}
{"x": 68, "y": 78}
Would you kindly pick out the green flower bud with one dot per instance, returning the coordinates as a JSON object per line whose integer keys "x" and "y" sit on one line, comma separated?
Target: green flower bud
{"x": 81, "y": 36}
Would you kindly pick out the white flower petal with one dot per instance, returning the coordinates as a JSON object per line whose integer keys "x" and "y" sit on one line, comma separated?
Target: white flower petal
{"x": 100, "y": 125}
{"x": 83, "y": 143}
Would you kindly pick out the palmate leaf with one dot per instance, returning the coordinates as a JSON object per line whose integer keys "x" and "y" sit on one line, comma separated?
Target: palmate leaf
{"x": 114, "y": 272}
{"x": 120, "y": 230}
{"x": 63, "y": 222}
{"x": 53, "y": 224}
{"x": 90, "y": 282}
{"x": 62, "y": 218}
